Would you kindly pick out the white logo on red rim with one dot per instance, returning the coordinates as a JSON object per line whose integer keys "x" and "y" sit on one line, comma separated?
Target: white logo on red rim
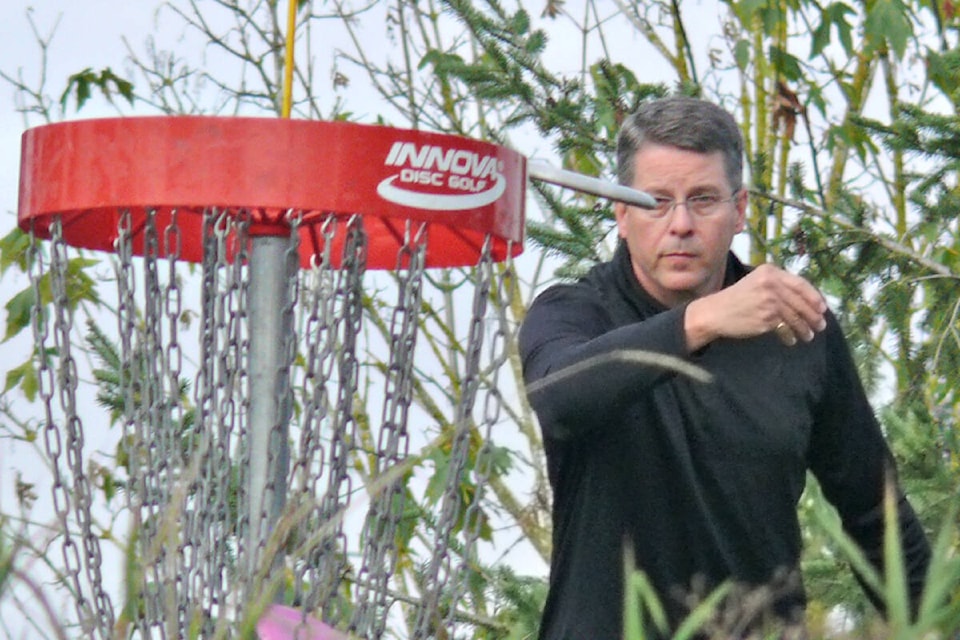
{"x": 441, "y": 179}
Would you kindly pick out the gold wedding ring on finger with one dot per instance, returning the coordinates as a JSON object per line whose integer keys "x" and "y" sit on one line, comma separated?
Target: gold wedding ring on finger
{"x": 785, "y": 333}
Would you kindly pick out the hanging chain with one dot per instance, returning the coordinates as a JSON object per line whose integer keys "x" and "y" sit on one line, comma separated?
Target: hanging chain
{"x": 103, "y": 609}
{"x": 204, "y": 526}
{"x": 51, "y": 433}
{"x": 190, "y": 440}
{"x": 187, "y": 466}
{"x": 163, "y": 454}
{"x": 386, "y": 509}
{"x": 497, "y": 356}
{"x": 334, "y": 543}
{"x": 220, "y": 387}
{"x": 226, "y": 537}
{"x": 132, "y": 435}
{"x": 135, "y": 439}
{"x": 95, "y": 611}
{"x": 438, "y": 572}
{"x": 320, "y": 336}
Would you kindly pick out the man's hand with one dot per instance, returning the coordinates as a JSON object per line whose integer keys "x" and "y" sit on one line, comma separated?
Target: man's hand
{"x": 767, "y": 299}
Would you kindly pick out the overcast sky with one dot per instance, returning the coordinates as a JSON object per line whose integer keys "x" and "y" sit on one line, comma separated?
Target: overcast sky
{"x": 87, "y": 34}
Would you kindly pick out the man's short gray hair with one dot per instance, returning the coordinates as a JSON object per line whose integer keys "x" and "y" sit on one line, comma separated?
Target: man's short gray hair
{"x": 686, "y": 123}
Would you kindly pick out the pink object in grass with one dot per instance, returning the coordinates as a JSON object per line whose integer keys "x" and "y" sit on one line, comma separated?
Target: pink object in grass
{"x": 286, "y": 623}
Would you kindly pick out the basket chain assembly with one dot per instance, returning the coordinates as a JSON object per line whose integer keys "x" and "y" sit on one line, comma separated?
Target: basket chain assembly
{"x": 326, "y": 529}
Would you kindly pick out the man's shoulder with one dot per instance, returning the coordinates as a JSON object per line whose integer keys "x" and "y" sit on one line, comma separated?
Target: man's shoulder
{"x": 572, "y": 302}
{"x": 568, "y": 297}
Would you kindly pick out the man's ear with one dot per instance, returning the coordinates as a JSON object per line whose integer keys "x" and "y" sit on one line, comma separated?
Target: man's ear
{"x": 620, "y": 212}
{"x": 742, "y": 198}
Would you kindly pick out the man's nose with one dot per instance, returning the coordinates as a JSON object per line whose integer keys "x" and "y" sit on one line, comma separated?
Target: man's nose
{"x": 681, "y": 220}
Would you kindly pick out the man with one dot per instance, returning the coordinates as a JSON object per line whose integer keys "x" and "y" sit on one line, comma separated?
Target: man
{"x": 697, "y": 481}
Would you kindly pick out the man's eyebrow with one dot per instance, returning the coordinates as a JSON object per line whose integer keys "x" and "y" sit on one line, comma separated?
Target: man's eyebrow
{"x": 697, "y": 190}
{"x": 705, "y": 190}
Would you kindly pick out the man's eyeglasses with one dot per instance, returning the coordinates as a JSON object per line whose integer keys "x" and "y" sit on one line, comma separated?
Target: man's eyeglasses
{"x": 703, "y": 206}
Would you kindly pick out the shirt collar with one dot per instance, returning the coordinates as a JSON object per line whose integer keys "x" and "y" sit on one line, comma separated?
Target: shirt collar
{"x": 628, "y": 284}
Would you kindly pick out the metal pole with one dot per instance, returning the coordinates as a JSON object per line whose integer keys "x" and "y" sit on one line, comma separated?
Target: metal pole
{"x": 270, "y": 325}
{"x": 545, "y": 172}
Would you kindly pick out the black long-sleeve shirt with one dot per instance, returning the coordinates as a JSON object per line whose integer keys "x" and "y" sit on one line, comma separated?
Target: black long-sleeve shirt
{"x": 700, "y": 479}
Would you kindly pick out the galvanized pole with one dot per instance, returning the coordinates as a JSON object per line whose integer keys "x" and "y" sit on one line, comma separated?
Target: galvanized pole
{"x": 269, "y": 414}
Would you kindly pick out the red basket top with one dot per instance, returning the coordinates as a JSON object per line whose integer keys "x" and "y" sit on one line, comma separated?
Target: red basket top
{"x": 88, "y": 172}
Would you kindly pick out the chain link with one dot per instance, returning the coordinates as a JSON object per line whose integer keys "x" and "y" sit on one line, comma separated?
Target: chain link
{"x": 133, "y": 438}
{"x": 103, "y": 609}
{"x": 497, "y": 355}
{"x": 438, "y": 572}
{"x": 320, "y": 337}
{"x": 53, "y": 442}
{"x": 193, "y": 440}
{"x": 333, "y": 545}
{"x": 94, "y": 610}
{"x": 231, "y": 427}
{"x": 163, "y": 457}
{"x": 203, "y": 522}
{"x": 386, "y": 509}
{"x": 222, "y": 378}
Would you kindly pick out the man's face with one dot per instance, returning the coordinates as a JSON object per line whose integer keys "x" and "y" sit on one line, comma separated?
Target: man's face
{"x": 682, "y": 255}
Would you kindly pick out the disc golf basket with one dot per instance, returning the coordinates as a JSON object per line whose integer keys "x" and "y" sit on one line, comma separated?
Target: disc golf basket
{"x": 251, "y": 473}
{"x": 256, "y": 466}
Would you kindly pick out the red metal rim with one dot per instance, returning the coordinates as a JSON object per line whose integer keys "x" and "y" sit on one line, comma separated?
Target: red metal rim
{"x": 88, "y": 172}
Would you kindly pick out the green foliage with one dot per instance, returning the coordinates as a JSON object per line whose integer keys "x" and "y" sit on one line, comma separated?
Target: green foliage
{"x": 6, "y": 559}
{"x": 24, "y": 376}
{"x": 939, "y": 608}
{"x": 18, "y": 310}
{"x": 932, "y": 142}
{"x": 645, "y": 616}
{"x": 583, "y": 123}
{"x": 79, "y": 287}
{"x": 842, "y": 248}
{"x": 928, "y": 460}
{"x": 927, "y": 451}
{"x": 944, "y": 72}
{"x": 937, "y": 613}
{"x": 741, "y": 54}
{"x": 14, "y": 250}
{"x": 835, "y": 16}
{"x": 17, "y": 255}
{"x": 786, "y": 64}
{"x": 81, "y": 84}
{"x": 117, "y": 384}
{"x": 767, "y": 13}
{"x": 518, "y": 601}
{"x": 888, "y": 21}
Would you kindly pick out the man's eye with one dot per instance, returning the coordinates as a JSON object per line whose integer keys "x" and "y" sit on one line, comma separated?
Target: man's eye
{"x": 705, "y": 200}
{"x": 663, "y": 203}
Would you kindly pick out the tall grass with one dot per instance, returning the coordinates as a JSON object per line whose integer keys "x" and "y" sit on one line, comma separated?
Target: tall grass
{"x": 937, "y": 615}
